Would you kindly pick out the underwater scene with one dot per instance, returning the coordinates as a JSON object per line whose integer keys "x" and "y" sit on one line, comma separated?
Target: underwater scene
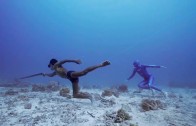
{"x": 97, "y": 63}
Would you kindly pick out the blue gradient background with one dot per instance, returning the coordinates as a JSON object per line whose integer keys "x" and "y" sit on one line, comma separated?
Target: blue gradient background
{"x": 153, "y": 31}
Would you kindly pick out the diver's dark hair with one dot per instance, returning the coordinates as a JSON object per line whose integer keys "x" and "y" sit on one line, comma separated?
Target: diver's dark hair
{"x": 52, "y": 62}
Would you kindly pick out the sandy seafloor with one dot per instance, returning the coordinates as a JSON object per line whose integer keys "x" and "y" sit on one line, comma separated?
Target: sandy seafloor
{"x": 51, "y": 109}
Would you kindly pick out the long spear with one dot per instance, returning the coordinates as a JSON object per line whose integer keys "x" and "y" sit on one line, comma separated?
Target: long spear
{"x": 38, "y": 74}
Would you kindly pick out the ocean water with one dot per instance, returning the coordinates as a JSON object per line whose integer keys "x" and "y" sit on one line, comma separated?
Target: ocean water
{"x": 154, "y": 32}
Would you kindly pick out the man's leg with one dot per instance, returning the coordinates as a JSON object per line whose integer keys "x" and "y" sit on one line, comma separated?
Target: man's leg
{"x": 153, "y": 87}
{"x": 89, "y": 69}
{"x": 75, "y": 88}
{"x": 140, "y": 86}
{"x": 150, "y": 83}
{"x": 151, "y": 80}
{"x": 80, "y": 95}
{"x": 143, "y": 85}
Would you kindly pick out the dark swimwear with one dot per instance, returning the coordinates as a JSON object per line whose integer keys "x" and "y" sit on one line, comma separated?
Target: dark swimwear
{"x": 74, "y": 82}
{"x": 71, "y": 78}
{"x": 75, "y": 86}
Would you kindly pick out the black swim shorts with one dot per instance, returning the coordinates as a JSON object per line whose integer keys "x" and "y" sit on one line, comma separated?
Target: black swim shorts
{"x": 72, "y": 79}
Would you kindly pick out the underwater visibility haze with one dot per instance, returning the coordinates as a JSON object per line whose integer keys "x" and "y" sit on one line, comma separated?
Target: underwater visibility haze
{"x": 121, "y": 31}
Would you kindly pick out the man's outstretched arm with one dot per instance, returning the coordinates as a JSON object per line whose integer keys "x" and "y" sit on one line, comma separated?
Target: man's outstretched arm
{"x": 132, "y": 75}
{"x": 154, "y": 66}
{"x": 66, "y": 61}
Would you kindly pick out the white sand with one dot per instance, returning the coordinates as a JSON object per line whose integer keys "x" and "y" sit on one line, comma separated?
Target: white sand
{"x": 50, "y": 109}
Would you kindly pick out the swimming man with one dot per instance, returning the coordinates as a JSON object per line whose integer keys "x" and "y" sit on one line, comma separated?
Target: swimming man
{"x": 148, "y": 78}
{"x": 73, "y": 76}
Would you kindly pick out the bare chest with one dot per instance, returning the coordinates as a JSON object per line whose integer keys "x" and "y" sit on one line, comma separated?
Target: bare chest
{"x": 61, "y": 72}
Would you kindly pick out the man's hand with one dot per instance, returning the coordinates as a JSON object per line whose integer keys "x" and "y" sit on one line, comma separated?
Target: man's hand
{"x": 78, "y": 62}
{"x": 43, "y": 74}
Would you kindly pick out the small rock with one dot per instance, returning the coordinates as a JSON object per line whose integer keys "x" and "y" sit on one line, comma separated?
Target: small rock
{"x": 28, "y": 106}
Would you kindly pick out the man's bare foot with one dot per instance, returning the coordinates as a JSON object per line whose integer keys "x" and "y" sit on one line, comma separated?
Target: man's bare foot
{"x": 105, "y": 63}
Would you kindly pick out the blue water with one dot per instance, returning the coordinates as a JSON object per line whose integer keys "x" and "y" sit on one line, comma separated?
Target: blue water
{"x": 155, "y": 32}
